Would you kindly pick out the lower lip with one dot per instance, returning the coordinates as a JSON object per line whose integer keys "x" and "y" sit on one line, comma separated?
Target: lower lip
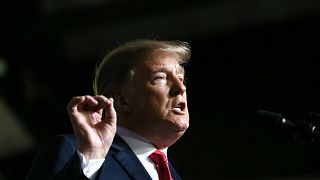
{"x": 178, "y": 112}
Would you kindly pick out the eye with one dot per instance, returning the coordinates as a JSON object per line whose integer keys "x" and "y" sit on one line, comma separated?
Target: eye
{"x": 183, "y": 79}
{"x": 160, "y": 78}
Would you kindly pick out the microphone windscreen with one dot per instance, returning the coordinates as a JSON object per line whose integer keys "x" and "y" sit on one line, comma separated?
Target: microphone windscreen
{"x": 268, "y": 120}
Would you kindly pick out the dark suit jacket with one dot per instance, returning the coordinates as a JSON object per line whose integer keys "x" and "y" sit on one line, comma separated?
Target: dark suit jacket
{"x": 58, "y": 160}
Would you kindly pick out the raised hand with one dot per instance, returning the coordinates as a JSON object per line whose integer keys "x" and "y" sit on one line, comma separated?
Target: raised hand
{"x": 94, "y": 121}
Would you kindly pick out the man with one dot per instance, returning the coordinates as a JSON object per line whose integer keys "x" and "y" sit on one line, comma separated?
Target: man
{"x": 116, "y": 137}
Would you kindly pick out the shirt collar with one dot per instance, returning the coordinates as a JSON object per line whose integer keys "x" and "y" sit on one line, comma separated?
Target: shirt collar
{"x": 139, "y": 145}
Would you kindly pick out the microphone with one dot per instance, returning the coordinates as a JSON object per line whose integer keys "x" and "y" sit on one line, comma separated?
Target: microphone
{"x": 306, "y": 131}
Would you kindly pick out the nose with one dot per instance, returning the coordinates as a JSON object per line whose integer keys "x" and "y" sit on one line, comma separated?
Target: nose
{"x": 178, "y": 87}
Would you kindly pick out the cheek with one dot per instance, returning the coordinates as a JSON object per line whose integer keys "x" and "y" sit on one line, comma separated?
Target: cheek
{"x": 157, "y": 101}
{"x": 150, "y": 97}
{"x": 159, "y": 96}
{"x": 155, "y": 90}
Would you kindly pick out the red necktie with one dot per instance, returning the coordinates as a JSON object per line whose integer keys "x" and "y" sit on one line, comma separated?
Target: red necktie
{"x": 161, "y": 164}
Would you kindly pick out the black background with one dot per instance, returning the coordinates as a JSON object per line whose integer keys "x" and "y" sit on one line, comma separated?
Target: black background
{"x": 265, "y": 64}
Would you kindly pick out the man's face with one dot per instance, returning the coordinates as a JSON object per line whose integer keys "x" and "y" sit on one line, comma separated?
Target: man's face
{"x": 157, "y": 99}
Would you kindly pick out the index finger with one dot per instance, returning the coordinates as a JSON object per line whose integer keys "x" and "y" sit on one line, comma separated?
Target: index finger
{"x": 74, "y": 102}
{"x": 102, "y": 101}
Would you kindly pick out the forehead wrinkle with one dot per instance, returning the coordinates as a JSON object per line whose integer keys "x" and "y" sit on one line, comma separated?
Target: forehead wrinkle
{"x": 165, "y": 55}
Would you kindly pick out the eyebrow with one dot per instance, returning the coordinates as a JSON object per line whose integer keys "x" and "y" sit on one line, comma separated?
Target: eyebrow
{"x": 164, "y": 69}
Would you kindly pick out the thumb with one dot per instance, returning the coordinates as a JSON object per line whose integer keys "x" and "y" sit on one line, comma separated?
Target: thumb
{"x": 110, "y": 114}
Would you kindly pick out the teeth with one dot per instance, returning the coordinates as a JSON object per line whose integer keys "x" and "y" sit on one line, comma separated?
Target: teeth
{"x": 178, "y": 107}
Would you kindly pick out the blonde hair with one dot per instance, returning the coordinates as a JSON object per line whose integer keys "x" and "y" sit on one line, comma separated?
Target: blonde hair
{"x": 117, "y": 66}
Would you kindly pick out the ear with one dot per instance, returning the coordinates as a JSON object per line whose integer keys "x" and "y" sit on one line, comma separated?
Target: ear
{"x": 120, "y": 102}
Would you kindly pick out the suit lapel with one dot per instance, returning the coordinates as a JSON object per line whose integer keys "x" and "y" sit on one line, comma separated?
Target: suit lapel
{"x": 122, "y": 153}
{"x": 128, "y": 160}
{"x": 174, "y": 174}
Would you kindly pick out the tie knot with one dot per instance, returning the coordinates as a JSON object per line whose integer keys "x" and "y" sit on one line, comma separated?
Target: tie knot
{"x": 161, "y": 164}
{"x": 158, "y": 157}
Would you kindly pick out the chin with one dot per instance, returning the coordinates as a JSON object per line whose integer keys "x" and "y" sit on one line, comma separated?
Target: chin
{"x": 170, "y": 138}
{"x": 181, "y": 127}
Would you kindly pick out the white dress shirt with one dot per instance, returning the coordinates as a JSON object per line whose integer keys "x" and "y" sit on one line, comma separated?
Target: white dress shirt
{"x": 141, "y": 147}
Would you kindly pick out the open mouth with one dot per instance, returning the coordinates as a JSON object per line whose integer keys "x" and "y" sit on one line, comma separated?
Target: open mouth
{"x": 180, "y": 107}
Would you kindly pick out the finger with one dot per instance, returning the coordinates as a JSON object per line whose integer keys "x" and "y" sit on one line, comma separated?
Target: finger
{"x": 81, "y": 129}
{"x": 110, "y": 115}
{"x": 90, "y": 102}
{"x": 78, "y": 120}
{"x": 102, "y": 101}
{"x": 74, "y": 102}
{"x": 81, "y": 126}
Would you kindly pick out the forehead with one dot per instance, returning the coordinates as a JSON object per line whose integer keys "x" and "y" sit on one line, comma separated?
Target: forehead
{"x": 162, "y": 61}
